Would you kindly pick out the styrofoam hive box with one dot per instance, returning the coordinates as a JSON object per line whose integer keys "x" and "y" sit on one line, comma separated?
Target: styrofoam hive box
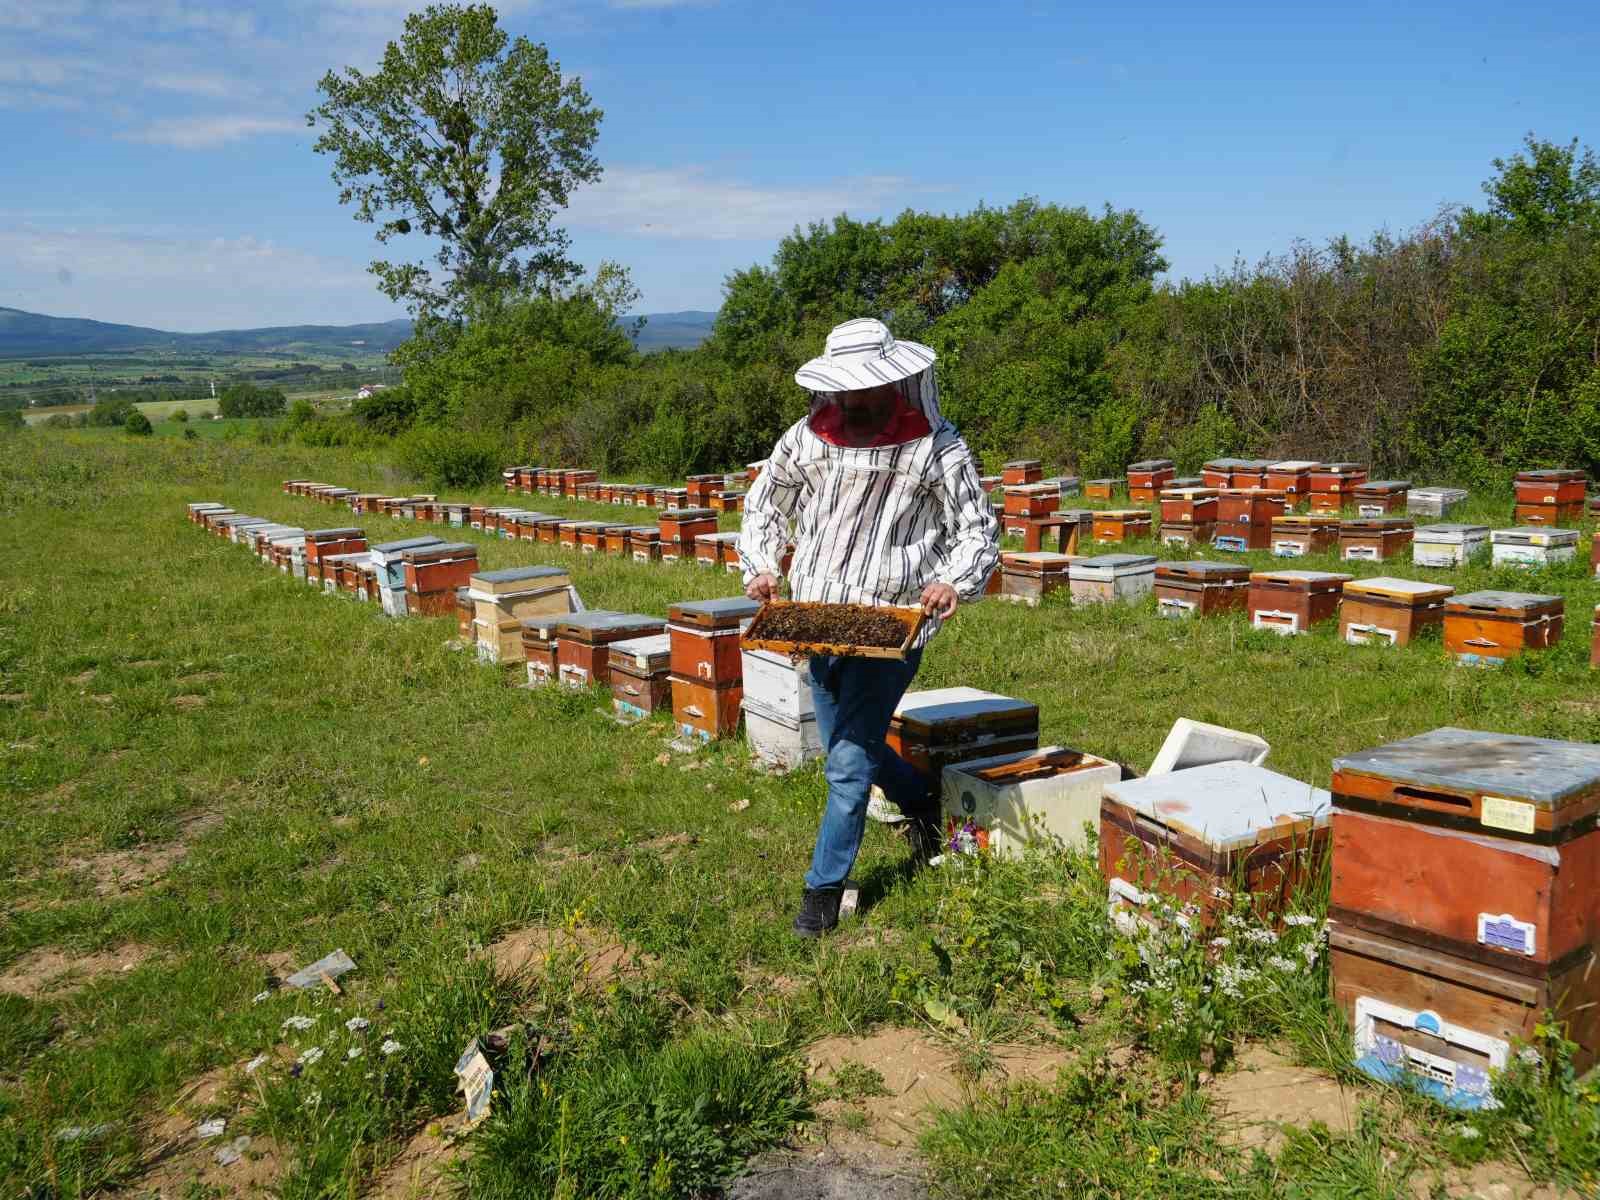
{"x": 1447, "y": 545}
{"x": 1062, "y": 804}
{"x": 1197, "y": 744}
{"x": 776, "y": 685}
{"x": 1529, "y": 546}
{"x": 778, "y": 740}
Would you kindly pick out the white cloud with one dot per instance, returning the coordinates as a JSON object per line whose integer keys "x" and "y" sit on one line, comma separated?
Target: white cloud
{"x": 180, "y": 283}
{"x": 203, "y": 133}
{"x": 689, "y": 203}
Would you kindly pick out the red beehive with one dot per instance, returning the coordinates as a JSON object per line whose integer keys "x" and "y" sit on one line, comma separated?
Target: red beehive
{"x": 1560, "y": 486}
{"x": 1147, "y": 478}
{"x": 679, "y": 527}
{"x": 1031, "y": 500}
{"x": 1194, "y": 505}
{"x": 433, "y": 573}
{"x": 1333, "y": 486}
{"x": 1293, "y": 478}
{"x": 1021, "y": 471}
{"x": 1244, "y": 517}
{"x": 583, "y": 641}
{"x": 705, "y": 639}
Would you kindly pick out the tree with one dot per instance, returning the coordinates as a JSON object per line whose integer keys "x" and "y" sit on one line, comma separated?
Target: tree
{"x": 467, "y": 137}
{"x": 244, "y": 399}
{"x": 181, "y": 416}
{"x": 138, "y": 424}
{"x": 11, "y": 419}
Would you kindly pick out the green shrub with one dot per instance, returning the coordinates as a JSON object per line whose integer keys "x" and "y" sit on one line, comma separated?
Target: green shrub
{"x": 449, "y": 457}
{"x": 139, "y": 424}
{"x": 181, "y": 416}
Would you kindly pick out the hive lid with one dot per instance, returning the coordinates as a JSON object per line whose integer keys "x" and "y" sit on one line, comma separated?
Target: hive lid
{"x": 1203, "y": 568}
{"x": 384, "y": 549}
{"x": 1312, "y": 577}
{"x": 1503, "y": 601}
{"x": 1385, "y": 485}
{"x": 1188, "y": 481}
{"x": 1448, "y": 529}
{"x": 655, "y": 646}
{"x": 652, "y": 530}
{"x": 335, "y": 535}
{"x": 1023, "y": 462}
{"x": 1116, "y": 562}
{"x": 1551, "y": 475}
{"x": 721, "y": 538}
{"x": 960, "y": 705}
{"x": 1039, "y": 558}
{"x": 1538, "y": 771}
{"x": 1124, "y": 514}
{"x": 1379, "y": 523}
{"x": 355, "y": 556}
{"x": 1033, "y": 489}
{"x": 725, "y": 612}
{"x": 1305, "y": 521}
{"x": 1341, "y": 468}
{"x": 1400, "y": 589}
{"x": 1260, "y": 493}
{"x": 686, "y": 514}
{"x": 518, "y": 575}
{"x": 1439, "y": 493}
{"x": 1534, "y": 535}
{"x": 1227, "y": 805}
{"x": 1187, "y": 493}
{"x": 607, "y": 626}
{"x": 1294, "y": 464}
{"x": 1080, "y": 515}
{"x": 1224, "y": 464}
{"x": 443, "y": 550}
{"x": 1151, "y": 464}
{"x": 1254, "y": 464}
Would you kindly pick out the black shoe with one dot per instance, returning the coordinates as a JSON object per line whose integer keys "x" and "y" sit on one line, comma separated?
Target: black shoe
{"x": 819, "y": 911}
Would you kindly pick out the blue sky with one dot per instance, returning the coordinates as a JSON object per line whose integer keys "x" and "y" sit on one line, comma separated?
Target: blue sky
{"x": 156, "y": 168}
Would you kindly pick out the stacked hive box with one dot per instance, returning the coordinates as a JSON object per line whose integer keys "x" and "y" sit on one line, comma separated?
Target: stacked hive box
{"x": 433, "y": 573}
{"x": 1199, "y": 588}
{"x": 1113, "y": 526}
{"x": 1390, "y": 611}
{"x": 1549, "y": 498}
{"x": 1218, "y": 473}
{"x": 1295, "y": 535}
{"x": 1374, "y": 539}
{"x": 388, "y": 560}
{"x": 1249, "y": 473}
{"x": 1188, "y": 516}
{"x": 1485, "y": 628}
{"x": 707, "y": 670}
{"x": 1028, "y": 578}
{"x": 1100, "y": 489}
{"x": 679, "y": 527}
{"x": 1447, "y": 545}
{"x": 1244, "y": 518}
{"x": 780, "y": 719}
{"x": 1288, "y": 602}
{"x": 1532, "y": 547}
{"x": 1434, "y": 502}
{"x": 644, "y": 543}
{"x": 1193, "y": 835}
{"x": 1008, "y": 802}
{"x": 1379, "y": 498}
{"x": 1333, "y": 486}
{"x": 934, "y": 729}
{"x": 1111, "y": 577}
{"x": 640, "y": 670}
{"x": 1465, "y": 903}
{"x": 502, "y": 600}
{"x": 1293, "y": 479}
{"x": 583, "y": 644}
{"x": 1146, "y": 479}
{"x": 320, "y": 543}
{"x": 1020, "y": 471}
{"x": 700, "y": 487}
{"x": 539, "y": 643}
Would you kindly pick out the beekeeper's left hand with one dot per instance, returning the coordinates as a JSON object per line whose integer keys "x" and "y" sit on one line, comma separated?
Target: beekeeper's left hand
{"x": 939, "y": 600}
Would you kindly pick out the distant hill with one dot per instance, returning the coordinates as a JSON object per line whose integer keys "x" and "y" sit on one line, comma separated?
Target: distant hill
{"x": 34, "y": 335}
{"x": 675, "y": 330}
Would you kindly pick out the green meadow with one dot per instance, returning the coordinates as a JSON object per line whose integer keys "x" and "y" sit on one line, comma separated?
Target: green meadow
{"x": 211, "y": 775}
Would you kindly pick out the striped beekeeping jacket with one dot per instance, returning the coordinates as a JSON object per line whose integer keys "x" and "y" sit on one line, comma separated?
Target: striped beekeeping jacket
{"x": 871, "y": 526}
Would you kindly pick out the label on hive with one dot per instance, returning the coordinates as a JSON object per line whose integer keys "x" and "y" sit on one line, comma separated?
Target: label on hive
{"x": 1288, "y": 550}
{"x": 1237, "y": 545}
{"x": 1361, "y": 635}
{"x": 1370, "y": 510}
{"x": 1353, "y": 553}
{"x": 1276, "y": 619}
{"x": 1500, "y": 813}
{"x": 1397, "y": 1044}
{"x": 1505, "y": 932}
{"x": 1169, "y": 606}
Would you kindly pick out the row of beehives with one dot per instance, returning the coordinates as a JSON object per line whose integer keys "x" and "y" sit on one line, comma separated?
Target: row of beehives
{"x": 720, "y": 493}
{"x": 532, "y": 619}
{"x": 1438, "y": 977}
{"x": 686, "y": 533}
{"x": 1465, "y": 868}
{"x": 1540, "y": 497}
{"x": 1479, "y": 627}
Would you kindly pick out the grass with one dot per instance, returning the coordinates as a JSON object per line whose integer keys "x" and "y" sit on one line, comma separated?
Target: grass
{"x": 204, "y": 759}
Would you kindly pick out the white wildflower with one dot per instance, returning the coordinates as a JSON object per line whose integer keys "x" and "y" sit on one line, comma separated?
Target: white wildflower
{"x": 1261, "y": 937}
{"x": 260, "y": 996}
{"x": 313, "y": 1098}
{"x": 313, "y": 1054}
{"x": 1233, "y": 921}
{"x": 298, "y": 1023}
{"x": 255, "y": 1064}
{"x": 1286, "y": 965}
{"x": 1220, "y": 943}
{"x": 1310, "y": 952}
{"x": 353, "y": 1053}
{"x": 1467, "y": 1131}
{"x": 390, "y": 1046}
{"x": 357, "y": 1024}
{"x": 1299, "y": 920}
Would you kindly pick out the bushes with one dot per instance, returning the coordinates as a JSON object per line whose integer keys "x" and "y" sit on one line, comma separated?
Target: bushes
{"x": 139, "y": 424}
{"x": 449, "y": 457}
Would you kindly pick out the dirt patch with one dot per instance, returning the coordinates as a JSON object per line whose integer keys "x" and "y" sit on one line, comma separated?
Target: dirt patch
{"x": 13, "y": 697}
{"x": 200, "y": 677}
{"x": 84, "y": 679}
{"x": 118, "y": 871}
{"x": 1265, "y": 1091}
{"x": 189, "y": 1167}
{"x": 50, "y": 970}
{"x": 602, "y": 957}
{"x": 1486, "y": 1181}
{"x": 667, "y": 842}
{"x": 188, "y": 703}
{"x": 831, "y": 1174}
{"x": 142, "y": 663}
{"x": 104, "y": 698}
{"x": 920, "y": 1074}
{"x": 196, "y": 825}
{"x": 421, "y": 1170}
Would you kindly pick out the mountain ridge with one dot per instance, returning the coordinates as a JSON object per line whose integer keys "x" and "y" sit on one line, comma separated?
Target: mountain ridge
{"x": 26, "y": 334}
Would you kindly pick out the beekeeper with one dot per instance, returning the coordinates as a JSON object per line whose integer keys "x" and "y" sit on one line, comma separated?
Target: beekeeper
{"x": 884, "y": 502}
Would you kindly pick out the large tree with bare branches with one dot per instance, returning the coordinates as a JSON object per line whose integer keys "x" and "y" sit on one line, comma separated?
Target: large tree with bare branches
{"x": 468, "y": 138}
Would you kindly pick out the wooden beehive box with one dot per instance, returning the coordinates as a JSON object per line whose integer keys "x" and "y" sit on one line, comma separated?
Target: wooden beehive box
{"x": 1113, "y": 526}
{"x": 583, "y": 640}
{"x": 938, "y": 727}
{"x": 1484, "y": 628}
{"x": 1448, "y": 544}
{"x": 1559, "y": 486}
{"x": 1292, "y": 477}
{"x": 1532, "y": 547}
{"x": 1249, "y": 474}
{"x": 639, "y": 676}
{"x": 705, "y": 638}
{"x": 679, "y": 527}
{"x": 1147, "y": 478}
{"x": 1198, "y": 588}
{"x": 1193, "y": 505}
{"x": 1390, "y": 611}
{"x": 1100, "y": 489}
{"x": 756, "y": 637}
{"x": 1187, "y": 533}
{"x": 433, "y": 573}
{"x": 1333, "y": 486}
{"x": 1378, "y": 498}
{"x": 1197, "y": 834}
{"x": 1029, "y": 577}
{"x": 1049, "y": 796}
{"x": 1030, "y": 500}
{"x": 1289, "y": 602}
{"x": 1218, "y": 473}
{"x": 1107, "y": 578}
{"x": 1374, "y": 539}
{"x": 1020, "y": 471}
{"x": 1295, "y": 535}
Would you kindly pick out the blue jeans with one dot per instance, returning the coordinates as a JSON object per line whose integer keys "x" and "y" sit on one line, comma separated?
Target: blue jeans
{"x": 855, "y": 699}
